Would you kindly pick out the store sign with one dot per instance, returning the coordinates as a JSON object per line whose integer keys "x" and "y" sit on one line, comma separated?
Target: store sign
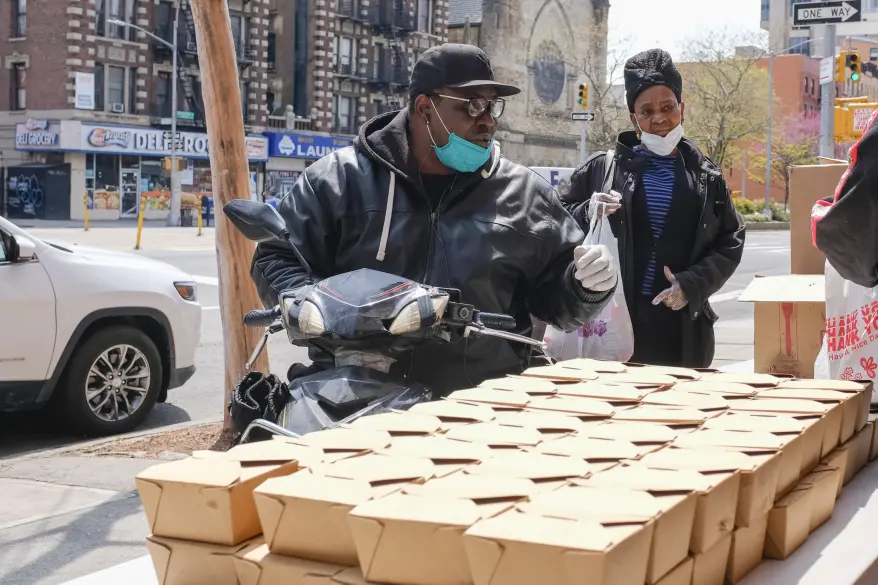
{"x": 151, "y": 141}
{"x": 85, "y": 91}
{"x": 36, "y": 134}
{"x": 310, "y": 146}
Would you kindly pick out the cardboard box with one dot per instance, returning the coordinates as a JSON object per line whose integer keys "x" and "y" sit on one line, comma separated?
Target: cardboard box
{"x": 808, "y": 184}
{"x": 207, "y": 500}
{"x": 496, "y": 399}
{"x": 673, "y": 371}
{"x": 681, "y": 416}
{"x": 863, "y": 392}
{"x": 759, "y": 475}
{"x": 264, "y": 451}
{"x": 709, "y": 567}
{"x": 847, "y": 402}
{"x": 873, "y": 452}
{"x": 635, "y": 432}
{"x": 185, "y": 562}
{"x": 716, "y": 496}
{"x": 789, "y": 523}
{"x": 754, "y": 442}
{"x": 724, "y": 389}
{"x": 305, "y": 515}
{"x": 639, "y": 377}
{"x": 399, "y": 424}
{"x": 789, "y": 320}
{"x": 679, "y": 575}
{"x": 702, "y": 402}
{"x": 614, "y": 394}
{"x": 559, "y": 373}
{"x": 594, "y": 450}
{"x": 839, "y": 459}
{"x": 261, "y": 567}
{"x": 495, "y": 435}
{"x": 346, "y": 441}
{"x": 544, "y": 421}
{"x": 746, "y": 550}
{"x": 530, "y": 386}
{"x": 830, "y": 417}
{"x": 672, "y": 515}
{"x": 823, "y": 483}
{"x": 453, "y": 413}
{"x": 546, "y": 471}
{"x": 755, "y": 379}
{"x": 416, "y": 536}
{"x": 447, "y": 455}
{"x": 859, "y": 446}
{"x": 597, "y": 366}
{"x": 584, "y": 408}
{"x": 524, "y": 549}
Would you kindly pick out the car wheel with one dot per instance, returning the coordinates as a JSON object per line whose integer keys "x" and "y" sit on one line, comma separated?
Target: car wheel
{"x": 112, "y": 381}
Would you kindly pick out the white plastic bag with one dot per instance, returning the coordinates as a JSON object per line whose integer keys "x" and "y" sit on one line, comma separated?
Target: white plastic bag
{"x": 850, "y": 344}
{"x": 609, "y": 336}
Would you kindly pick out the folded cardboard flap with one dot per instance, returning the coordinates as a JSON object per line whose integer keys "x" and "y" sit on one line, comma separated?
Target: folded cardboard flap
{"x": 399, "y": 423}
{"x": 495, "y": 435}
{"x": 376, "y": 468}
{"x": 823, "y": 483}
{"x": 639, "y": 433}
{"x": 266, "y": 453}
{"x": 704, "y": 402}
{"x": 602, "y": 504}
{"x": 346, "y": 439}
{"x": 559, "y": 373}
{"x": 780, "y": 406}
{"x": 450, "y": 411}
{"x": 789, "y": 524}
{"x": 491, "y": 397}
{"x": 531, "y": 386}
{"x": 771, "y": 423}
{"x": 478, "y": 488}
{"x": 756, "y": 440}
{"x": 858, "y": 446}
{"x": 662, "y": 415}
{"x": 543, "y": 421}
{"x": 599, "y": 366}
{"x": 261, "y": 567}
{"x": 185, "y": 562}
{"x": 575, "y": 406}
{"x": 533, "y": 466}
{"x": 675, "y": 372}
{"x": 518, "y": 548}
{"x": 593, "y": 449}
{"x": 701, "y": 460}
{"x": 710, "y": 565}
{"x": 839, "y": 459}
{"x": 746, "y": 378}
{"x": 679, "y": 575}
{"x": 617, "y": 393}
{"x": 656, "y": 481}
{"x": 439, "y": 449}
{"x": 638, "y": 376}
{"x": 746, "y": 550}
{"x": 728, "y": 389}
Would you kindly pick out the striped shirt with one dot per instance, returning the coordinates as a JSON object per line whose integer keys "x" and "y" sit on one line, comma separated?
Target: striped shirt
{"x": 658, "y": 185}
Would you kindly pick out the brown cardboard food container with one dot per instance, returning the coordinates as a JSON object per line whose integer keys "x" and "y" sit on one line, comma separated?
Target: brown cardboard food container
{"x": 754, "y": 442}
{"x": 453, "y": 413}
{"x": 839, "y": 459}
{"x": 399, "y": 423}
{"x": 725, "y": 389}
{"x": 789, "y": 523}
{"x": 186, "y": 562}
{"x": 266, "y": 452}
{"x": 831, "y": 416}
{"x": 502, "y": 399}
{"x": 639, "y": 376}
{"x": 746, "y": 550}
{"x": 530, "y": 386}
{"x": 614, "y": 394}
{"x": 639, "y": 433}
{"x": 757, "y": 380}
{"x": 546, "y": 471}
{"x": 305, "y": 515}
{"x": 858, "y": 446}
{"x": 862, "y": 391}
{"x": 346, "y": 441}
{"x": 599, "y": 366}
{"x": 544, "y": 421}
{"x": 703, "y": 402}
{"x": 671, "y": 416}
{"x": 416, "y": 536}
{"x": 207, "y": 500}
{"x": 789, "y": 321}
{"x": 807, "y": 184}
{"x": 594, "y": 450}
{"x": 584, "y": 408}
{"x": 675, "y": 372}
{"x": 259, "y": 566}
{"x": 759, "y": 474}
{"x": 873, "y": 451}
{"x": 804, "y": 434}
{"x": 709, "y": 567}
{"x": 447, "y": 455}
{"x": 848, "y": 402}
{"x": 523, "y": 549}
{"x": 823, "y": 483}
{"x": 679, "y": 575}
{"x": 495, "y": 435}
{"x": 673, "y": 517}
{"x": 716, "y": 496}
{"x": 560, "y": 373}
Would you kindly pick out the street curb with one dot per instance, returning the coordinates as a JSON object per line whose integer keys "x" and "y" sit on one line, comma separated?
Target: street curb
{"x": 105, "y": 440}
{"x": 766, "y": 226}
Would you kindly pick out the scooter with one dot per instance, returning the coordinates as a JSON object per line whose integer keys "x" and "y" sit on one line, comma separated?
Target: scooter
{"x": 365, "y": 319}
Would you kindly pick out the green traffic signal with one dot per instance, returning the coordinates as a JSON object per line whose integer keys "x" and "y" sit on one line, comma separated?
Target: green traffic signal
{"x": 855, "y": 77}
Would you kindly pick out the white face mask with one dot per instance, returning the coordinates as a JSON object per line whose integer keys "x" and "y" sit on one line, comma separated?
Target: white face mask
{"x": 662, "y": 145}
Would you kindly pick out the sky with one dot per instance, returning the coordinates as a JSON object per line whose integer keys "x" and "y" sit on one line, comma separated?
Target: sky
{"x": 646, "y": 24}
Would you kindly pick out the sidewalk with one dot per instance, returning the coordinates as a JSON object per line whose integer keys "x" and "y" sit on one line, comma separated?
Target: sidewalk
{"x": 121, "y": 235}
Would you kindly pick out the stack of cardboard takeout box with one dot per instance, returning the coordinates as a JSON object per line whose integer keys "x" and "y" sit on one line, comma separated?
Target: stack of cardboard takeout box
{"x": 585, "y": 472}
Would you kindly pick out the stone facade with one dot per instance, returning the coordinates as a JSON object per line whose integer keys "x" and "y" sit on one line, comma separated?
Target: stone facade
{"x": 544, "y": 47}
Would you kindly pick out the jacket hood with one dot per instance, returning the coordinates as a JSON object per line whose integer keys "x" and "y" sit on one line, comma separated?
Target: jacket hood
{"x": 628, "y": 141}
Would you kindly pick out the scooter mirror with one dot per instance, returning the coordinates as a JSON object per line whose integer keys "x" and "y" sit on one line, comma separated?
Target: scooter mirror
{"x": 259, "y": 222}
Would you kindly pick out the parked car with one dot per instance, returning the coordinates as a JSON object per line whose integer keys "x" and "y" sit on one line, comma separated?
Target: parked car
{"x": 100, "y": 336}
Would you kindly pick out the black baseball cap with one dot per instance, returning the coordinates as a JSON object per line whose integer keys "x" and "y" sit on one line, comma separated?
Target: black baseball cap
{"x": 456, "y": 66}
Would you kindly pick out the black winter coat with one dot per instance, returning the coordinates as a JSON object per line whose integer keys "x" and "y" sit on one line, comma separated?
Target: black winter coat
{"x": 501, "y": 237}
{"x": 719, "y": 240}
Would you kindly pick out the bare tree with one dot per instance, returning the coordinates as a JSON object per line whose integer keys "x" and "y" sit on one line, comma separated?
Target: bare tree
{"x": 796, "y": 142}
{"x": 724, "y": 90}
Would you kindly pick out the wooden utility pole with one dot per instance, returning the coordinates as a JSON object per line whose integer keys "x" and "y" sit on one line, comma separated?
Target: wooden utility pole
{"x": 231, "y": 180}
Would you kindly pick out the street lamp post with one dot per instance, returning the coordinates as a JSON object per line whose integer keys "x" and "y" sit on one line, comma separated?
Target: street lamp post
{"x": 176, "y": 187}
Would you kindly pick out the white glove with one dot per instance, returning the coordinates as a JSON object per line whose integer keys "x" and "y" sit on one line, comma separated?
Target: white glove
{"x": 674, "y": 298}
{"x": 608, "y": 203}
{"x": 594, "y": 268}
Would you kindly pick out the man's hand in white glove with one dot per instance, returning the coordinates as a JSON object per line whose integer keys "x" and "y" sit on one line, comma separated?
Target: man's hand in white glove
{"x": 594, "y": 268}
{"x": 608, "y": 203}
{"x": 674, "y": 297}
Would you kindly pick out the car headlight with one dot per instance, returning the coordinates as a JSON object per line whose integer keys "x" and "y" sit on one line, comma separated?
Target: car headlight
{"x": 187, "y": 290}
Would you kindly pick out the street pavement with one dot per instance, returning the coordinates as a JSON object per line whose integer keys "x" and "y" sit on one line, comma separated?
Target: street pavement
{"x": 63, "y": 517}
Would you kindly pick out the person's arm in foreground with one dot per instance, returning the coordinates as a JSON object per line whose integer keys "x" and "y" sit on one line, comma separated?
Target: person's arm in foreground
{"x": 275, "y": 268}
{"x": 559, "y": 296}
{"x": 845, "y": 226}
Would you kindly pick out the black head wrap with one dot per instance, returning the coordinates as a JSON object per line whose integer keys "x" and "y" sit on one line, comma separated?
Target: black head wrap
{"x": 649, "y": 68}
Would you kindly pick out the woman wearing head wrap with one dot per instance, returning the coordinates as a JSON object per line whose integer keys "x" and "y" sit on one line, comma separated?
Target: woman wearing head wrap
{"x": 680, "y": 238}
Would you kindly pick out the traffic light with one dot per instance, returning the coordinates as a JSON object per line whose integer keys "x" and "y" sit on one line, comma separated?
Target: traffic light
{"x": 854, "y": 66}
{"x": 840, "y": 61}
{"x": 583, "y": 96}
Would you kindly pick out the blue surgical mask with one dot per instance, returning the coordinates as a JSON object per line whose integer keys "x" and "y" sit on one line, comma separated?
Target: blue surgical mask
{"x": 460, "y": 154}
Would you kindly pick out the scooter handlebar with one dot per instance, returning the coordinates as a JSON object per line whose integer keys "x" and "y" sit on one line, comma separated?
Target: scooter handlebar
{"x": 262, "y": 317}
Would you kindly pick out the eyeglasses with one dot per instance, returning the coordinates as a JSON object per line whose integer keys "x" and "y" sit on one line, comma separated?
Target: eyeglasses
{"x": 476, "y": 107}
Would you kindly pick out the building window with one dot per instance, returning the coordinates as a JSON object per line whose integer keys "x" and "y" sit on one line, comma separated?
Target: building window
{"x": 766, "y": 10}
{"x": 800, "y": 46}
{"x": 346, "y": 56}
{"x": 99, "y": 88}
{"x": 124, "y": 10}
{"x": 245, "y": 100}
{"x": 343, "y": 114}
{"x": 239, "y": 33}
{"x": 425, "y": 16}
{"x": 873, "y": 54}
{"x": 19, "y": 18}
{"x": 19, "y": 90}
{"x": 116, "y": 88}
{"x": 132, "y": 91}
{"x": 162, "y": 89}
{"x": 272, "y": 51}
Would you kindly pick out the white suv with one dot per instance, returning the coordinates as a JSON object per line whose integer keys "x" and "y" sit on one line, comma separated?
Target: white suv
{"x": 102, "y": 334}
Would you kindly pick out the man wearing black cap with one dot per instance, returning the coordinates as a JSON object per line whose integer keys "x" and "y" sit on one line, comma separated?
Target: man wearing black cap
{"x": 680, "y": 238}
{"x": 425, "y": 194}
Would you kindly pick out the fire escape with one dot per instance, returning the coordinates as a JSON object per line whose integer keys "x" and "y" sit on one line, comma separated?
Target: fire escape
{"x": 391, "y": 19}
{"x": 187, "y": 53}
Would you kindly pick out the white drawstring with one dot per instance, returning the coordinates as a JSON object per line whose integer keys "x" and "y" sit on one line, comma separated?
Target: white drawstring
{"x": 388, "y": 213}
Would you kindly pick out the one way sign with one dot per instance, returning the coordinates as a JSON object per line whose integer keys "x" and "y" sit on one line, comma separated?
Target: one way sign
{"x": 827, "y": 12}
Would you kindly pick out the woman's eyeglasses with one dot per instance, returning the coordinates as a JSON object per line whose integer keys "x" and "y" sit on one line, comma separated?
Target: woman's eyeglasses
{"x": 476, "y": 107}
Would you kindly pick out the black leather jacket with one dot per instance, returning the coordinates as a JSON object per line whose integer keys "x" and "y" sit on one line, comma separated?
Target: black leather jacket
{"x": 501, "y": 237}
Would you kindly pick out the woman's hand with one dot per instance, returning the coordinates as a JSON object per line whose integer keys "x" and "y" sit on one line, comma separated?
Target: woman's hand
{"x": 674, "y": 297}
{"x": 608, "y": 203}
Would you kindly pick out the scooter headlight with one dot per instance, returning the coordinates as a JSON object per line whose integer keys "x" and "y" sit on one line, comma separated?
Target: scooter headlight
{"x": 310, "y": 319}
{"x": 409, "y": 319}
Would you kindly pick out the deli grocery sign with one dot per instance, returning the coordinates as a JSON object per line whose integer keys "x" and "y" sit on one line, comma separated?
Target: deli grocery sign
{"x": 150, "y": 141}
